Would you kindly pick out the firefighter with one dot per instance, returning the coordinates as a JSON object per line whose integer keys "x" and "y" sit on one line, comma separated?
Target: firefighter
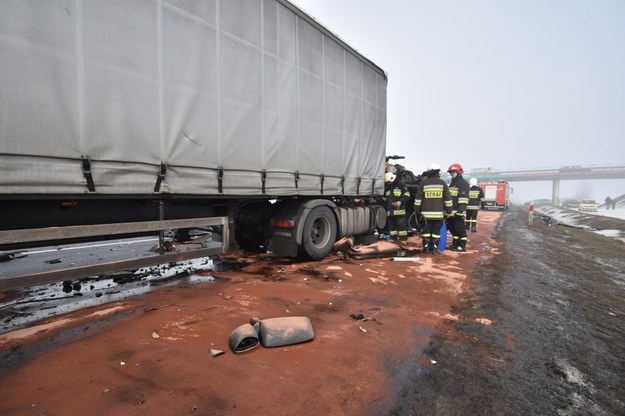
{"x": 476, "y": 194}
{"x": 396, "y": 196}
{"x": 433, "y": 202}
{"x": 459, "y": 190}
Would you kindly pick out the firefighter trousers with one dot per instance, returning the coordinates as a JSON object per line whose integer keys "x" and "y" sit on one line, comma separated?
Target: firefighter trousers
{"x": 431, "y": 235}
{"x": 397, "y": 227}
{"x": 471, "y": 221}
{"x": 458, "y": 230}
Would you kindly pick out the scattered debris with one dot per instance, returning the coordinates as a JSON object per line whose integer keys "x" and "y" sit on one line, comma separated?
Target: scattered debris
{"x": 362, "y": 329}
{"x": 244, "y": 338}
{"x": 168, "y": 245}
{"x": 155, "y": 335}
{"x": 272, "y": 332}
{"x": 215, "y": 352}
{"x": 362, "y": 318}
{"x": 224, "y": 296}
{"x": 53, "y": 261}
{"x": 11, "y": 256}
{"x": 408, "y": 259}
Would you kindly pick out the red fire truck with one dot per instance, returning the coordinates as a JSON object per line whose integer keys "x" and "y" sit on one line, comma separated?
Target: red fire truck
{"x": 496, "y": 195}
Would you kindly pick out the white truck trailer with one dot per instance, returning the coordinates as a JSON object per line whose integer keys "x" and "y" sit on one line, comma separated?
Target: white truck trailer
{"x": 248, "y": 110}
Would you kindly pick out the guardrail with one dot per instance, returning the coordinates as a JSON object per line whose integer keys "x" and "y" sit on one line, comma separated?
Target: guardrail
{"x": 98, "y": 230}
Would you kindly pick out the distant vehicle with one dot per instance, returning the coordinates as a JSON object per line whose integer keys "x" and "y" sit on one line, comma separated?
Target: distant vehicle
{"x": 571, "y": 203}
{"x": 480, "y": 169}
{"x": 588, "y": 205}
{"x": 496, "y": 195}
{"x": 541, "y": 202}
{"x": 574, "y": 169}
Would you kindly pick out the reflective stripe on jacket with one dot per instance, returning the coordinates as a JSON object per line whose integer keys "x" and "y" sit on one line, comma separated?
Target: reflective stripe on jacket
{"x": 476, "y": 194}
{"x": 433, "y": 198}
{"x": 459, "y": 190}
{"x": 394, "y": 192}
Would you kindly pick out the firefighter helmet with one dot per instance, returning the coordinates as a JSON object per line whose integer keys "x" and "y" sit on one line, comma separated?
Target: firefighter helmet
{"x": 457, "y": 167}
{"x": 473, "y": 181}
{"x": 435, "y": 166}
{"x": 389, "y": 177}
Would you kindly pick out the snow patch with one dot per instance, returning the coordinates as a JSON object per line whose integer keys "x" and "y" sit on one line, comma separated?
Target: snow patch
{"x": 609, "y": 233}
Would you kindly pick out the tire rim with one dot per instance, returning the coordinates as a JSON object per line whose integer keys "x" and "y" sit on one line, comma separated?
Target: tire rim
{"x": 320, "y": 232}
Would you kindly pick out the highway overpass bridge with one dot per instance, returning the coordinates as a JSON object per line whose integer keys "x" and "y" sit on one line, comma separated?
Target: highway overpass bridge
{"x": 551, "y": 174}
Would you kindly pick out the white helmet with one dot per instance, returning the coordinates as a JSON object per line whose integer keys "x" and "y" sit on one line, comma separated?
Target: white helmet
{"x": 435, "y": 166}
{"x": 473, "y": 181}
{"x": 389, "y": 177}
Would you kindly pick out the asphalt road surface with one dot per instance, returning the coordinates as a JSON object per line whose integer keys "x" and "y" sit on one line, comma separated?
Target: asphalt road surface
{"x": 530, "y": 321}
{"x": 556, "y": 345}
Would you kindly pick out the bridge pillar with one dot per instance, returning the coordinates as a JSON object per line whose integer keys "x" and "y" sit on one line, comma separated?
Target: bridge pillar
{"x": 555, "y": 192}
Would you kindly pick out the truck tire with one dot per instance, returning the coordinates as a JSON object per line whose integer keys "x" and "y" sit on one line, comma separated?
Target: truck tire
{"x": 319, "y": 233}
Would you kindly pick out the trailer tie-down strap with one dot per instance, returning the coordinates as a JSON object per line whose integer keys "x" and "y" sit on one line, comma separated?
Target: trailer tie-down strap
{"x": 373, "y": 186}
{"x": 86, "y": 171}
{"x": 161, "y": 175}
{"x": 342, "y": 185}
{"x": 220, "y": 179}
{"x": 323, "y": 178}
{"x": 263, "y": 178}
{"x": 296, "y": 178}
{"x": 358, "y": 180}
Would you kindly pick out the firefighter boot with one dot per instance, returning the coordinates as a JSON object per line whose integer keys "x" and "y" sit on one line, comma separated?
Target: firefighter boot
{"x": 426, "y": 242}
{"x": 454, "y": 245}
{"x": 462, "y": 246}
{"x": 457, "y": 246}
{"x": 473, "y": 228}
{"x": 435, "y": 249}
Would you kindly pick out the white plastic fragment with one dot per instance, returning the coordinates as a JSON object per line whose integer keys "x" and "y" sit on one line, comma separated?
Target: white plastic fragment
{"x": 408, "y": 259}
{"x": 215, "y": 352}
{"x": 362, "y": 329}
{"x": 155, "y": 335}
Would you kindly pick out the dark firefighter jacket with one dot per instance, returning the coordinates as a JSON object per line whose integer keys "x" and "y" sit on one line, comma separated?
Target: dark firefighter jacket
{"x": 476, "y": 194}
{"x": 459, "y": 189}
{"x": 433, "y": 199}
{"x": 394, "y": 192}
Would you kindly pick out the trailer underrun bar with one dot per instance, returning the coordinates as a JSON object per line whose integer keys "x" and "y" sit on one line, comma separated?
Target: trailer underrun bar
{"x": 81, "y": 231}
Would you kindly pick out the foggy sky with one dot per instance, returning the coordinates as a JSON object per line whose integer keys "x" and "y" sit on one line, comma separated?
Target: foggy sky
{"x": 509, "y": 84}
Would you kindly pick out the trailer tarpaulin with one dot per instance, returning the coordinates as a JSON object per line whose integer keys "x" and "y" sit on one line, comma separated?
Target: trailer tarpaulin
{"x": 235, "y": 97}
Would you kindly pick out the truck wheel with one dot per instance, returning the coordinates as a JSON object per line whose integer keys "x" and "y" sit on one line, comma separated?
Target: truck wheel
{"x": 319, "y": 233}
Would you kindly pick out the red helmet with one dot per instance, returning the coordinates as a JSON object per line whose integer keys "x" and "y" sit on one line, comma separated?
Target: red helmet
{"x": 457, "y": 167}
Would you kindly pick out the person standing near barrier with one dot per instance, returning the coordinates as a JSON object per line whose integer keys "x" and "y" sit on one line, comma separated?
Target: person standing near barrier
{"x": 433, "y": 202}
{"x": 459, "y": 190}
{"x": 476, "y": 194}
{"x": 396, "y": 196}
